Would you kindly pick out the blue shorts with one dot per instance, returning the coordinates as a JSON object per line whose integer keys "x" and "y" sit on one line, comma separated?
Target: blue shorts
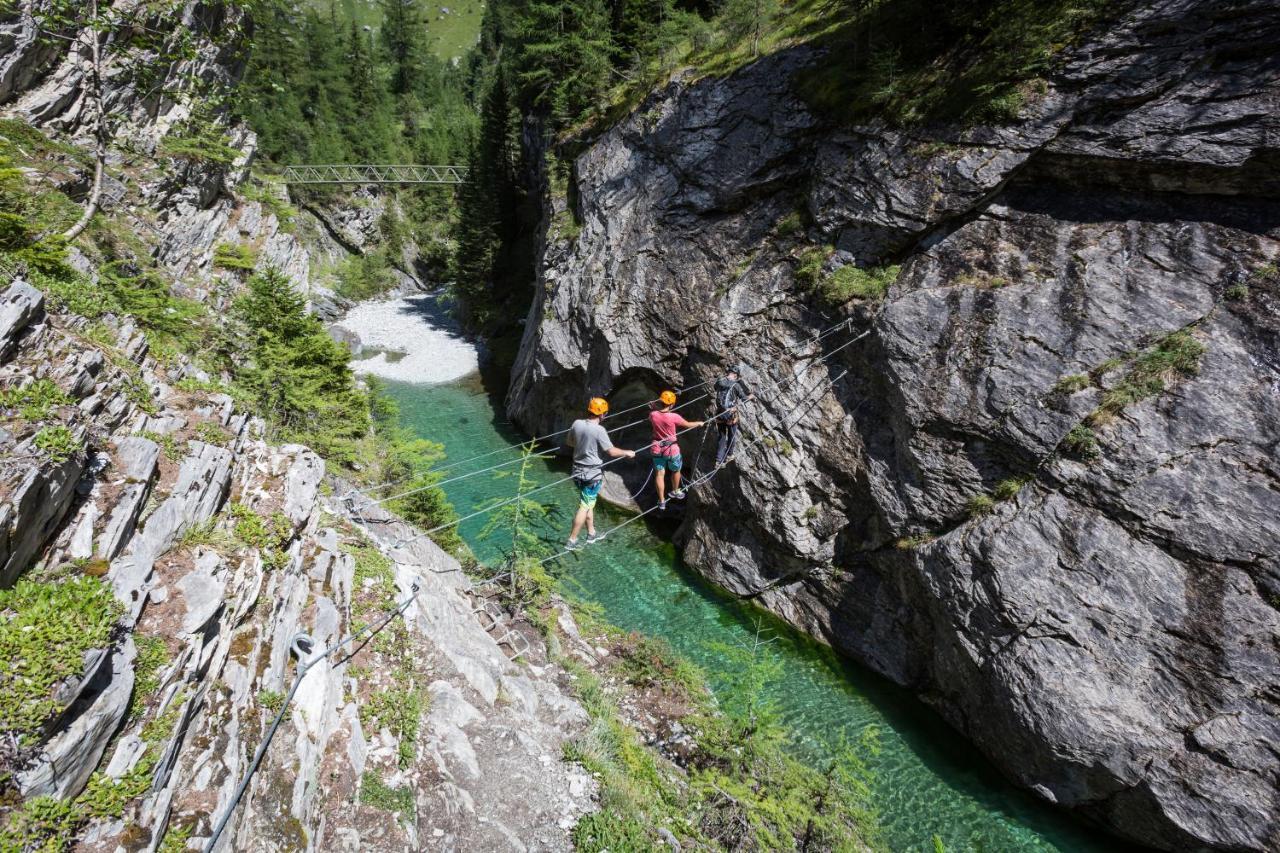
{"x": 668, "y": 463}
{"x": 588, "y": 491}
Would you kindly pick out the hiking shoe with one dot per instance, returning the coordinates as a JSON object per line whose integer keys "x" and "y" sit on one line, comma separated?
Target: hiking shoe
{"x": 662, "y": 506}
{"x": 678, "y": 494}
{"x": 572, "y": 545}
{"x": 593, "y": 537}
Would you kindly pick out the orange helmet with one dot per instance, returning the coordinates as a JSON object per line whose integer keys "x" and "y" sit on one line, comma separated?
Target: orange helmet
{"x": 668, "y": 398}
{"x": 598, "y": 406}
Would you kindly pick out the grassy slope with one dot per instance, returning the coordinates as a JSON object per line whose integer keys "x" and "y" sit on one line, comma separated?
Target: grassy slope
{"x": 452, "y": 35}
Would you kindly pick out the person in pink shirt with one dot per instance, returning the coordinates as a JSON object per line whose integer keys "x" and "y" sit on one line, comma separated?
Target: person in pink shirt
{"x": 665, "y": 449}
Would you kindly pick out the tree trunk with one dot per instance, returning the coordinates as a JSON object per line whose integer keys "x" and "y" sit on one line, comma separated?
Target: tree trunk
{"x": 99, "y": 127}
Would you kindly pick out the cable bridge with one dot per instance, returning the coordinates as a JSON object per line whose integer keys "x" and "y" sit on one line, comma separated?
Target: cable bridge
{"x": 336, "y": 173}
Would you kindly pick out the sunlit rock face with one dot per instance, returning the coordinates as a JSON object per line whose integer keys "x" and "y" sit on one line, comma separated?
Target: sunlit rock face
{"x": 1106, "y": 626}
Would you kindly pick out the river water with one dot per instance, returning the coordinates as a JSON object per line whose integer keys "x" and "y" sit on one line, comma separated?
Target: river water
{"x": 928, "y": 781}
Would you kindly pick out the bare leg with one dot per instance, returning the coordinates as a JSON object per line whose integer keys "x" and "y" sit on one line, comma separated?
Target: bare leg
{"x": 583, "y": 514}
{"x": 591, "y": 522}
{"x": 675, "y": 481}
{"x": 661, "y": 482}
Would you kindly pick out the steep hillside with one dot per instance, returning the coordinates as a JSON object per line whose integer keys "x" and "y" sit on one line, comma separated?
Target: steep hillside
{"x": 1042, "y": 489}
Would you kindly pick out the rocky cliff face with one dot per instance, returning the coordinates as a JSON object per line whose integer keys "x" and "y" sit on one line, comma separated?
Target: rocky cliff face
{"x": 215, "y": 549}
{"x": 1042, "y": 491}
{"x": 221, "y": 549}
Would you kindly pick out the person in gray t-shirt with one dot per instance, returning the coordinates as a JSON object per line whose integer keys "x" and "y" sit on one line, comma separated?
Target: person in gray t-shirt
{"x": 590, "y": 443}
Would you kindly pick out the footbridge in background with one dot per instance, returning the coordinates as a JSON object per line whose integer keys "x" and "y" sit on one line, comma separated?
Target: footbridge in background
{"x": 334, "y": 173}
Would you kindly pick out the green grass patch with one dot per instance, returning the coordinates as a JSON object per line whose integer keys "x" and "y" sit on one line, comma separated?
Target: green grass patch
{"x": 979, "y": 505}
{"x": 36, "y": 401}
{"x": 1082, "y": 443}
{"x": 167, "y": 442}
{"x": 272, "y": 700}
{"x": 377, "y": 793}
{"x": 853, "y": 282}
{"x": 1176, "y": 356}
{"x": 1071, "y": 384}
{"x": 1008, "y": 489}
{"x": 45, "y": 631}
{"x": 57, "y": 442}
{"x": 910, "y": 543}
{"x": 212, "y": 433}
{"x": 153, "y": 656}
{"x": 235, "y": 256}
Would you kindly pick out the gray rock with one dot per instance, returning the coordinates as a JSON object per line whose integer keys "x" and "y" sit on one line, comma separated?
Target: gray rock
{"x": 1105, "y": 635}
{"x": 64, "y": 763}
{"x": 21, "y": 306}
{"x": 202, "y": 591}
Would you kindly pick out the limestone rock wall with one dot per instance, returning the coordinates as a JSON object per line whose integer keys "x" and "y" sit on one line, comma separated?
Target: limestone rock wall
{"x": 1105, "y": 628}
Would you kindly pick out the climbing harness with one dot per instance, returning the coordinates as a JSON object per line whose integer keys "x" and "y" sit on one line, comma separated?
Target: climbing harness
{"x": 695, "y": 483}
{"x": 814, "y": 339}
{"x": 522, "y": 495}
{"x": 544, "y": 453}
{"x": 301, "y": 647}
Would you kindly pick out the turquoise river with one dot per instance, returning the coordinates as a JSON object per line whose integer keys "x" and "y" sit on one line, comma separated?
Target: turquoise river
{"x": 928, "y": 781}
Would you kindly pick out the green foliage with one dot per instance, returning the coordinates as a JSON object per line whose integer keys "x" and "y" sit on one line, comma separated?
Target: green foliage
{"x": 399, "y": 709}
{"x": 1008, "y": 489}
{"x": 57, "y": 442}
{"x": 45, "y": 824}
{"x": 267, "y": 193}
{"x": 362, "y": 277}
{"x": 407, "y": 460}
{"x": 168, "y": 444}
{"x": 745, "y": 790}
{"x": 373, "y": 569}
{"x": 910, "y": 543}
{"x": 296, "y": 376}
{"x": 200, "y": 138}
{"x": 1150, "y": 371}
{"x": 271, "y": 700}
{"x": 211, "y": 432}
{"x": 377, "y": 793}
{"x": 791, "y": 224}
{"x": 192, "y": 385}
{"x": 912, "y": 61}
{"x": 46, "y": 629}
{"x": 809, "y": 266}
{"x": 235, "y": 256}
{"x": 1236, "y": 292}
{"x": 175, "y": 839}
{"x": 1072, "y": 383}
{"x": 853, "y": 282}
{"x": 207, "y": 534}
{"x": 979, "y": 505}
{"x": 36, "y": 400}
{"x": 254, "y": 531}
{"x": 650, "y": 661}
{"x": 747, "y": 20}
{"x": 153, "y": 656}
{"x": 1082, "y": 443}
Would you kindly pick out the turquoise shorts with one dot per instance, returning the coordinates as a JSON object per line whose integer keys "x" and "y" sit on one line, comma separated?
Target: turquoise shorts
{"x": 668, "y": 463}
{"x": 588, "y": 491}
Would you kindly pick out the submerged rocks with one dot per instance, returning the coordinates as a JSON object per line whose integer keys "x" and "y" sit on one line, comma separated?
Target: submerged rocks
{"x": 1042, "y": 490}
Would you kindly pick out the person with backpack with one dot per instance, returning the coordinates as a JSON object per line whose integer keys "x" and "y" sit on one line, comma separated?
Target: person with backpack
{"x": 730, "y": 392}
{"x": 590, "y": 443}
{"x": 665, "y": 450}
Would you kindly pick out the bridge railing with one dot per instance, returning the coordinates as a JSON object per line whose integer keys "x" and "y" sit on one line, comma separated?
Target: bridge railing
{"x": 336, "y": 173}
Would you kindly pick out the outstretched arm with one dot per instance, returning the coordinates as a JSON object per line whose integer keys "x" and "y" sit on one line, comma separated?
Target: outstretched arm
{"x": 618, "y": 451}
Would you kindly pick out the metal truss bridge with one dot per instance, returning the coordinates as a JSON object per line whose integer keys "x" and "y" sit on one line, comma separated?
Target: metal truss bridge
{"x": 340, "y": 174}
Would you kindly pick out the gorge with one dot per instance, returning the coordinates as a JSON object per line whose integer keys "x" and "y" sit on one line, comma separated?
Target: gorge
{"x": 1013, "y": 343}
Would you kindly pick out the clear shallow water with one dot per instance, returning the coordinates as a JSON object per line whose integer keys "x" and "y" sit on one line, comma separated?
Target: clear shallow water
{"x": 928, "y": 781}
